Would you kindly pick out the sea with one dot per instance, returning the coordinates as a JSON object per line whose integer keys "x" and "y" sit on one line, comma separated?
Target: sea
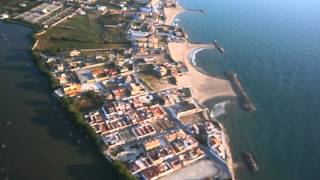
{"x": 273, "y": 46}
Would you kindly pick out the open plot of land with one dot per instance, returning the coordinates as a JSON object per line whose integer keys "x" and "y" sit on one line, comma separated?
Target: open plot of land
{"x": 198, "y": 170}
{"x": 162, "y": 125}
{"x": 38, "y": 13}
{"x": 79, "y": 32}
{"x": 87, "y": 103}
{"x": 114, "y": 28}
{"x": 127, "y": 135}
{"x": 149, "y": 76}
{"x": 193, "y": 119}
{"x": 13, "y": 6}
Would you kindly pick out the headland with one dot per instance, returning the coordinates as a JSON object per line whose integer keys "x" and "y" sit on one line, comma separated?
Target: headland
{"x": 135, "y": 92}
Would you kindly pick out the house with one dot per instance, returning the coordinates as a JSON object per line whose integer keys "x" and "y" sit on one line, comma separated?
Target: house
{"x": 74, "y": 53}
{"x": 23, "y": 4}
{"x": 138, "y": 34}
{"x": 4, "y": 16}
{"x": 82, "y": 13}
{"x": 102, "y": 8}
{"x": 72, "y": 89}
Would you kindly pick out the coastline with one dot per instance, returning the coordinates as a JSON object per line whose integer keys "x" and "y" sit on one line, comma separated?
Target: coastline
{"x": 172, "y": 12}
{"x": 202, "y": 89}
{"x": 57, "y": 104}
{"x": 184, "y": 52}
{"x": 72, "y": 114}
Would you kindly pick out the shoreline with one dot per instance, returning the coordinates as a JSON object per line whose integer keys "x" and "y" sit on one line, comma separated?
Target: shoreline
{"x": 202, "y": 90}
{"x": 186, "y": 52}
{"x": 65, "y": 105}
{"x": 172, "y": 12}
{"x": 48, "y": 79}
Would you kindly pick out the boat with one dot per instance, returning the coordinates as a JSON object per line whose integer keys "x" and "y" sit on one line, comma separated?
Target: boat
{"x": 250, "y": 161}
{"x": 220, "y": 48}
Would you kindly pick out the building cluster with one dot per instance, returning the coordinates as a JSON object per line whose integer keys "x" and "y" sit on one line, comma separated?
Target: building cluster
{"x": 214, "y": 137}
{"x": 150, "y": 34}
{"x": 166, "y": 154}
{"x": 154, "y": 132}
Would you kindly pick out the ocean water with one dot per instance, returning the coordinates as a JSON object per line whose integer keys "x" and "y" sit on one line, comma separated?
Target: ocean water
{"x": 274, "y": 47}
{"x": 37, "y": 141}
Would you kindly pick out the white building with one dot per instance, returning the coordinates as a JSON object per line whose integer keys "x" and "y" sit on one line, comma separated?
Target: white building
{"x": 4, "y": 16}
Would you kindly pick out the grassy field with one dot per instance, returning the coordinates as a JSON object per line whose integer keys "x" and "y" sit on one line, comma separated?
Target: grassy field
{"x": 81, "y": 32}
{"x": 154, "y": 82}
{"x": 114, "y": 34}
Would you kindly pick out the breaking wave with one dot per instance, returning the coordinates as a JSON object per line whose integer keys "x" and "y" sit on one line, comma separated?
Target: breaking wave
{"x": 194, "y": 54}
{"x": 219, "y": 109}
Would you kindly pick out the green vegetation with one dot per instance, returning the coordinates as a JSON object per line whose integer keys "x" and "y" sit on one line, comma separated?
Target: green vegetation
{"x": 114, "y": 34}
{"x": 152, "y": 79}
{"x": 120, "y": 169}
{"x": 87, "y": 101}
{"x": 78, "y": 119}
{"x": 44, "y": 68}
{"x": 77, "y": 32}
{"x": 81, "y": 32}
{"x": 123, "y": 170}
{"x": 116, "y": 151}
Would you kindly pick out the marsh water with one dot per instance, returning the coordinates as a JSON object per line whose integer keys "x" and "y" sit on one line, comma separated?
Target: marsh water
{"x": 37, "y": 141}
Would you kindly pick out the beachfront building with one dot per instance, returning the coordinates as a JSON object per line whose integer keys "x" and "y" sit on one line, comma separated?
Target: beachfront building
{"x": 166, "y": 154}
{"x": 4, "y": 16}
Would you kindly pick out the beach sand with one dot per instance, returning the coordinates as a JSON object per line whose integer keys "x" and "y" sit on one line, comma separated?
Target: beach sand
{"x": 204, "y": 87}
{"x": 172, "y": 12}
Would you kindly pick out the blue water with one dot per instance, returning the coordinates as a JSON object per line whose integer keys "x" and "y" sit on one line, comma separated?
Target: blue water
{"x": 274, "y": 47}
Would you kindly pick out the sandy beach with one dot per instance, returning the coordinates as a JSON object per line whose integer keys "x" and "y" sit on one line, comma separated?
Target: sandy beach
{"x": 204, "y": 87}
{"x": 172, "y": 12}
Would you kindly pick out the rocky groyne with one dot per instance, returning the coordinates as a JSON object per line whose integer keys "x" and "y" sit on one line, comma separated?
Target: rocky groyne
{"x": 244, "y": 99}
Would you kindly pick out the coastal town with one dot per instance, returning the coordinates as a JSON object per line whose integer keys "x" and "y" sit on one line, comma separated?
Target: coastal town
{"x": 142, "y": 97}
